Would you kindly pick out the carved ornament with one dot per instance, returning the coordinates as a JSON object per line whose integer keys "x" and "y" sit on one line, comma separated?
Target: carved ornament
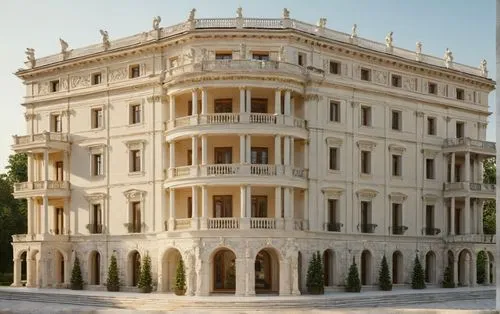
{"x": 332, "y": 192}
{"x": 95, "y": 197}
{"x": 366, "y": 194}
{"x": 334, "y": 141}
{"x": 366, "y": 145}
{"x": 134, "y": 194}
{"x": 397, "y": 148}
{"x": 398, "y": 197}
{"x": 430, "y": 153}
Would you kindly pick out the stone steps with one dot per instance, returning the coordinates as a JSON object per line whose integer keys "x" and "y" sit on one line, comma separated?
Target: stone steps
{"x": 155, "y": 301}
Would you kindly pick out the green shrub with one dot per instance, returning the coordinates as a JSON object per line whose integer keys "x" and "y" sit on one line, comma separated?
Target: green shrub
{"x": 384, "y": 278}
{"x": 113, "y": 281}
{"x": 180, "y": 277}
{"x": 315, "y": 275}
{"x": 418, "y": 278}
{"x": 76, "y": 276}
{"x": 448, "y": 278}
{"x": 353, "y": 282}
{"x": 146, "y": 279}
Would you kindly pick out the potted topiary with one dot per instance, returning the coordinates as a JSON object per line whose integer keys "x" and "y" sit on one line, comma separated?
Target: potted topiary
{"x": 180, "y": 279}
{"x": 315, "y": 277}
{"x": 113, "y": 282}
{"x": 76, "y": 276}
{"x": 353, "y": 282}
{"x": 145, "y": 283}
{"x": 384, "y": 279}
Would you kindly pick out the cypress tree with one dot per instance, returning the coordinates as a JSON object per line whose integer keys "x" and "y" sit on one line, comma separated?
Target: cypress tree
{"x": 145, "y": 283}
{"x": 418, "y": 279}
{"x": 113, "y": 281}
{"x": 353, "y": 281}
{"x": 315, "y": 277}
{"x": 448, "y": 278}
{"x": 180, "y": 278}
{"x": 384, "y": 278}
{"x": 76, "y": 276}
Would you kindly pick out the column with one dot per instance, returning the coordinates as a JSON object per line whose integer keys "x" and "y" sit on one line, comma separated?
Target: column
{"x": 452, "y": 171}
{"x": 242, "y": 149}
{"x": 487, "y": 269}
{"x": 171, "y": 146}
{"x": 66, "y": 216}
{"x": 66, "y": 166}
{"x": 243, "y": 200}
{"x": 242, "y": 100}
{"x": 194, "y": 102}
{"x": 306, "y": 209}
{"x": 248, "y": 149}
{"x": 455, "y": 270}
{"x": 194, "y": 211}
{"x": 171, "y": 216}
{"x": 204, "y": 101}
{"x": 467, "y": 215}
{"x": 480, "y": 218}
{"x": 277, "y": 202}
{"x": 467, "y": 167}
{"x": 287, "y": 103}
{"x": 17, "y": 273}
{"x": 481, "y": 171}
{"x": 46, "y": 165}
{"x": 325, "y": 212}
{"x": 172, "y": 108}
{"x": 204, "y": 207}
{"x": 292, "y": 151}
{"x": 473, "y": 272}
{"x": 30, "y": 167}
{"x": 194, "y": 150}
{"x": 30, "y": 270}
{"x": 277, "y": 102}
{"x": 452, "y": 216}
{"x": 288, "y": 198}
{"x": 248, "y": 100}
{"x": 248, "y": 205}
{"x": 30, "y": 215}
{"x": 286, "y": 151}
{"x": 45, "y": 215}
{"x": 277, "y": 150}
{"x": 204, "y": 150}
{"x": 306, "y": 154}
{"x": 474, "y": 222}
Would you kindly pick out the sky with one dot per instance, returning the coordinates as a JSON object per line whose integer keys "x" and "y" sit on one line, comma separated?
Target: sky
{"x": 466, "y": 27}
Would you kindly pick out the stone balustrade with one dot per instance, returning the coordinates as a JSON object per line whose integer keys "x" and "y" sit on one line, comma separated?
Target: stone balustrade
{"x": 468, "y": 143}
{"x": 40, "y": 185}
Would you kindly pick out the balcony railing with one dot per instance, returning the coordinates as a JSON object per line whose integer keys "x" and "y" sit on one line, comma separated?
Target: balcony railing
{"x": 224, "y": 223}
{"x": 263, "y": 170}
{"x": 470, "y": 143}
{"x": 367, "y": 228}
{"x": 95, "y": 228}
{"x": 333, "y": 226}
{"x": 222, "y": 118}
{"x": 40, "y": 185}
{"x": 40, "y": 138}
{"x": 262, "y": 223}
{"x": 263, "y": 118}
{"x": 431, "y": 231}
{"x": 133, "y": 228}
{"x": 182, "y": 224}
{"x": 398, "y": 230}
{"x": 482, "y": 187}
{"x": 298, "y": 224}
{"x": 222, "y": 169}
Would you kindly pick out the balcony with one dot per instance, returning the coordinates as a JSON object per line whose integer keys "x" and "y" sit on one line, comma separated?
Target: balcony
{"x": 134, "y": 228}
{"x": 95, "y": 228}
{"x": 245, "y": 67}
{"x": 462, "y": 189}
{"x": 16, "y": 238}
{"x": 471, "y": 238}
{"x": 431, "y": 231}
{"x": 53, "y": 141}
{"x": 224, "y": 223}
{"x": 465, "y": 144}
{"x": 41, "y": 188}
{"x": 399, "y": 230}
{"x": 367, "y": 228}
{"x": 237, "y": 223}
{"x": 262, "y": 223}
{"x": 333, "y": 226}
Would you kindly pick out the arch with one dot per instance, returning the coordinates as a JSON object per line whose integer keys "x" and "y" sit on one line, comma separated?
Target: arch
{"x": 223, "y": 265}
{"x": 397, "y": 268}
{"x": 59, "y": 267}
{"x": 329, "y": 267}
{"x": 267, "y": 271}
{"x": 23, "y": 258}
{"x": 430, "y": 267}
{"x": 465, "y": 268}
{"x": 491, "y": 267}
{"x": 366, "y": 267}
{"x": 169, "y": 261}
{"x": 134, "y": 268}
{"x": 94, "y": 262}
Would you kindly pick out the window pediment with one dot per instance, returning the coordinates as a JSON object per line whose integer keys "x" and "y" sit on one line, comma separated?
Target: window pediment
{"x": 332, "y": 192}
{"x": 366, "y": 194}
{"x": 95, "y": 197}
{"x": 430, "y": 198}
{"x": 134, "y": 195}
{"x": 96, "y": 148}
{"x": 334, "y": 141}
{"x": 398, "y": 197}
{"x": 430, "y": 153}
{"x": 135, "y": 144}
{"x": 397, "y": 148}
{"x": 366, "y": 145}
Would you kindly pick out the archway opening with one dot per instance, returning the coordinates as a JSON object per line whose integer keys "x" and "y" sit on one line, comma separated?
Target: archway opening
{"x": 430, "y": 267}
{"x": 224, "y": 271}
{"x": 464, "y": 268}
{"x": 491, "y": 268}
{"x": 266, "y": 271}
{"x": 329, "y": 267}
{"x": 24, "y": 264}
{"x": 397, "y": 267}
{"x": 134, "y": 268}
{"x": 95, "y": 268}
{"x": 169, "y": 266}
{"x": 33, "y": 268}
{"x": 59, "y": 268}
{"x": 366, "y": 268}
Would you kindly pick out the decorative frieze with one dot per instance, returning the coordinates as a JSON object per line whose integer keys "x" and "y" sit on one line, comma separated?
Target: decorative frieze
{"x": 333, "y": 141}
{"x": 380, "y": 77}
{"x": 397, "y": 148}
{"x": 430, "y": 153}
{"x": 95, "y": 197}
{"x": 79, "y": 81}
{"x": 118, "y": 74}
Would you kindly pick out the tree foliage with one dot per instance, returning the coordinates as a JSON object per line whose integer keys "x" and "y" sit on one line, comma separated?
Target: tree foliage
{"x": 146, "y": 278}
{"x": 489, "y": 209}
{"x": 353, "y": 282}
{"x": 76, "y": 276}
{"x": 315, "y": 275}
{"x": 448, "y": 278}
{"x": 481, "y": 268}
{"x": 113, "y": 281}
{"x": 384, "y": 278}
{"x": 180, "y": 276}
{"x": 417, "y": 279}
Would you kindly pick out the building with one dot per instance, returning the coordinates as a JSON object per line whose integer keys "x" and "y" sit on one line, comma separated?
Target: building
{"x": 244, "y": 145}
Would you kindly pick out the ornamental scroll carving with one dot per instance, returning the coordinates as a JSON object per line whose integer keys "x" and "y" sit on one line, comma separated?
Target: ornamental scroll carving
{"x": 366, "y": 194}
{"x": 95, "y": 197}
{"x": 43, "y": 88}
{"x": 410, "y": 84}
{"x": 366, "y": 145}
{"x": 134, "y": 194}
{"x": 80, "y": 81}
{"x": 117, "y": 74}
{"x": 380, "y": 77}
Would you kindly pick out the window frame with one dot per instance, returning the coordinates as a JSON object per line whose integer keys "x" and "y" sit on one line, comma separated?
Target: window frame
{"x": 366, "y": 116}
{"x": 333, "y": 64}
{"x": 365, "y": 72}
{"x": 396, "y": 80}
{"x": 56, "y": 122}
{"x": 55, "y": 86}
{"x": 134, "y": 71}
{"x": 399, "y": 115}
{"x": 367, "y": 156}
{"x": 133, "y": 112}
{"x": 223, "y": 55}
{"x": 434, "y": 126}
{"x": 459, "y": 93}
{"x": 396, "y": 165}
{"x": 94, "y": 76}
{"x": 136, "y": 167}
{"x": 334, "y": 111}
{"x": 96, "y": 121}
{"x": 434, "y": 89}
{"x": 433, "y": 171}
{"x": 336, "y": 162}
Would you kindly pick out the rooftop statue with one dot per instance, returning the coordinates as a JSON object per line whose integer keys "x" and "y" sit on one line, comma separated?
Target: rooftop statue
{"x": 448, "y": 58}
{"x": 483, "y": 68}
{"x": 286, "y": 13}
{"x": 64, "y": 46}
{"x": 156, "y": 22}
{"x": 388, "y": 40}
{"x": 30, "y": 54}
{"x": 191, "y": 14}
{"x": 239, "y": 13}
{"x": 354, "y": 31}
{"x": 105, "y": 39}
{"x": 322, "y": 22}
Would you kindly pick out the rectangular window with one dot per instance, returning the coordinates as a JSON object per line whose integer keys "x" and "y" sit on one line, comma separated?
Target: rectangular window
{"x": 262, "y": 56}
{"x": 460, "y": 94}
{"x": 333, "y": 159}
{"x": 259, "y": 206}
{"x": 332, "y": 224}
{"x": 223, "y": 155}
{"x": 366, "y": 217}
{"x": 96, "y": 226}
{"x": 431, "y": 126}
{"x": 334, "y": 67}
{"x": 429, "y": 169}
{"x": 460, "y": 129}
{"x": 366, "y": 74}
{"x": 432, "y": 88}
{"x": 366, "y": 116}
{"x": 396, "y": 120}
{"x": 429, "y": 218}
{"x": 173, "y": 62}
{"x": 223, "y": 56}
{"x": 190, "y": 207}
{"x": 134, "y": 71}
{"x": 301, "y": 59}
{"x": 136, "y": 217}
{"x": 135, "y": 114}
{"x": 223, "y": 105}
{"x": 135, "y": 160}
{"x": 259, "y": 155}
{"x": 397, "y": 219}
{"x": 56, "y": 123}
{"x": 334, "y": 111}
{"x": 59, "y": 171}
{"x": 96, "y": 78}
{"x": 258, "y": 105}
{"x": 396, "y": 80}
{"x": 365, "y": 162}
{"x": 96, "y": 118}
{"x": 59, "y": 220}
{"x": 222, "y": 206}
{"x": 97, "y": 165}
{"x": 190, "y": 157}
{"x": 396, "y": 165}
{"x": 54, "y": 86}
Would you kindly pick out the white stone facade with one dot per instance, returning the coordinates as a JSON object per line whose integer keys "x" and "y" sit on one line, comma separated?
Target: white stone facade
{"x": 244, "y": 146}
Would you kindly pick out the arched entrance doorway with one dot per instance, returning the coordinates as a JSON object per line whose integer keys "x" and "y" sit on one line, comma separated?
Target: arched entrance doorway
{"x": 95, "y": 268}
{"x": 224, "y": 271}
{"x": 267, "y": 271}
{"x": 491, "y": 269}
{"x": 134, "y": 268}
{"x": 329, "y": 267}
{"x": 59, "y": 268}
{"x": 430, "y": 267}
{"x": 170, "y": 261}
{"x": 397, "y": 267}
{"x": 465, "y": 268}
{"x": 366, "y": 268}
